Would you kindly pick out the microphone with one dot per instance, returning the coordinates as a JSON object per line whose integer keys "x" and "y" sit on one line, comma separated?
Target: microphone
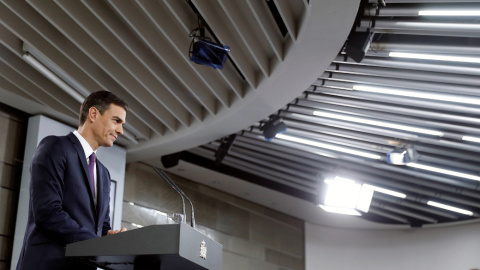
{"x": 192, "y": 217}
{"x": 174, "y": 186}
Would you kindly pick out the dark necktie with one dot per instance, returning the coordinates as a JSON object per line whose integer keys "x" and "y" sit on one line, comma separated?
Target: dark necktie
{"x": 91, "y": 167}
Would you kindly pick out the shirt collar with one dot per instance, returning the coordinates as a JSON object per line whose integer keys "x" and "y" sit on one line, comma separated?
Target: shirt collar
{"x": 86, "y": 147}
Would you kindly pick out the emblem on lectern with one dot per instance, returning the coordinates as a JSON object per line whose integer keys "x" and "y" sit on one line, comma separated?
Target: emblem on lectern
{"x": 203, "y": 250}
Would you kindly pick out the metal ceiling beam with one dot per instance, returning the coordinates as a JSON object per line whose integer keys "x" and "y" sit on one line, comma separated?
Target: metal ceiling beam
{"x": 455, "y": 131}
{"x": 330, "y": 88}
{"x": 388, "y": 215}
{"x": 391, "y": 108}
{"x": 411, "y": 10}
{"x": 424, "y": 48}
{"x": 397, "y": 73}
{"x": 450, "y": 68}
{"x": 416, "y": 85}
{"x": 403, "y": 212}
{"x": 421, "y": 207}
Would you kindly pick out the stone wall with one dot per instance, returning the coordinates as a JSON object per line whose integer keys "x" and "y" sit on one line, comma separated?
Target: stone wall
{"x": 13, "y": 129}
{"x": 253, "y": 236}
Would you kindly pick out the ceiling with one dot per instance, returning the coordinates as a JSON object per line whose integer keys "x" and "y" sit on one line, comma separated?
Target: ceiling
{"x": 139, "y": 50}
{"x": 355, "y": 113}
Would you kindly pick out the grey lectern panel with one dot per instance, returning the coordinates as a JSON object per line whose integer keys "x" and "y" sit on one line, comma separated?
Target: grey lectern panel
{"x": 160, "y": 247}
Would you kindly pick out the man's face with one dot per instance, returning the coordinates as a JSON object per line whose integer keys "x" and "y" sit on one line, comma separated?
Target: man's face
{"x": 109, "y": 126}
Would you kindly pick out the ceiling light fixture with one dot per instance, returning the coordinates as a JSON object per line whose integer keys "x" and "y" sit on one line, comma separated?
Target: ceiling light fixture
{"x": 444, "y": 171}
{"x": 465, "y": 59}
{"x": 272, "y": 127}
{"x": 345, "y": 196}
{"x": 437, "y": 25}
{"x": 471, "y": 139}
{"x": 342, "y": 193}
{"x": 52, "y": 77}
{"x": 205, "y": 52}
{"x": 449, "y": 12}
{"x": 378, "y": 123}
{"x": 415, "y": 94}
{"x": 328, "y": 146}
{"x": 64, "y": 86}
{"x": 450, "y": 208}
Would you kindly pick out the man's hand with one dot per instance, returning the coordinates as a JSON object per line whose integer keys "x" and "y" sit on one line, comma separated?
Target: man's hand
{"x": 116, "y": 231}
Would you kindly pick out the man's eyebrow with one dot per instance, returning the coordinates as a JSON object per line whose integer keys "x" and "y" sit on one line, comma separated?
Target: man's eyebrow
{"x": 117, "y": 118}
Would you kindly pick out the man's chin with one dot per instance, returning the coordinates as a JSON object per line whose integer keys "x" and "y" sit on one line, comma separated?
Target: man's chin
{"x": 108, "y": 144}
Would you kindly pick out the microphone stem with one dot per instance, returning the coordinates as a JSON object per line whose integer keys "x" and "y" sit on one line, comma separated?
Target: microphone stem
{"x": 172, "y": 184}
{"x": 192, "y": 217}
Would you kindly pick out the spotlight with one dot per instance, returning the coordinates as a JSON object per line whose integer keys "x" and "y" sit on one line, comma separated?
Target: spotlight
{"x": 357, "y": 45}
{"x": 209, "y": 54}
{"x": 273, "y": 127}
{"x": 402, "y": 156}
{"x": 223, "y": 149}
{"x": 169, "y": 161}
{"x": 345, "y": 196}
{"x": 205, "y": 52}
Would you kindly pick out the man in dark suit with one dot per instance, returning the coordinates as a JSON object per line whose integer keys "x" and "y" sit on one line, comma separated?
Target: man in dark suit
{"x": 70, "y": 188}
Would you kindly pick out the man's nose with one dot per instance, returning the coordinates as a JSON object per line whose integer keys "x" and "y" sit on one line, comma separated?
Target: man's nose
{"x": 120, "y": 130}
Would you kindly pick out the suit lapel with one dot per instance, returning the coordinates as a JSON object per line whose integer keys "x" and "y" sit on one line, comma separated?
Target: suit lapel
{"x": 81, "y": 155}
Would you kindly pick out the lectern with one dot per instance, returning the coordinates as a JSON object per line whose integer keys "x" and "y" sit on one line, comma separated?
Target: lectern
{"x": 159, "y": 247}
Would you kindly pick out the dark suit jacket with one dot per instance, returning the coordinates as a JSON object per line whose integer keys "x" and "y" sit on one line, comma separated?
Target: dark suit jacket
{"x": 62, "y": 208}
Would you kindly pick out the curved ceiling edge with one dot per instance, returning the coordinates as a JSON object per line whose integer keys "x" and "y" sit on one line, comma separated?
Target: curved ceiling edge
{"x": 324, "y": 29}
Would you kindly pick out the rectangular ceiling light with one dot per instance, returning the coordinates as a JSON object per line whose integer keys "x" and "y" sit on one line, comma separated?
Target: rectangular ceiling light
{"x": 444, "y": 171}
{"x": 473, "y": 12}
{"x": 378, "y": 123}
{"x": 471, "y": 139}
{"x": 450, "y": 208}
{"x": 437, "y": 57}
{"x": 415, "y": 94}
{"x": 52, "y": 77}
{"x": 328, "y": 146}
{"x": 344, "y": 194}
{"x": 387, "y": 191}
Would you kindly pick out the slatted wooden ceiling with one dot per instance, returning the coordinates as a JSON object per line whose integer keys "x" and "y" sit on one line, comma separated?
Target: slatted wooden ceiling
{"x": 139, "y": 50}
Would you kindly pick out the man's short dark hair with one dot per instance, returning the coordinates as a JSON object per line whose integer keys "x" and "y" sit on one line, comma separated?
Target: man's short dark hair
{"x": 100, "y": 100}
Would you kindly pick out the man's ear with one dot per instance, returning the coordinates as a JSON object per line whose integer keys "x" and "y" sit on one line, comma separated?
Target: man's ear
{"x": 92, "y": 114}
